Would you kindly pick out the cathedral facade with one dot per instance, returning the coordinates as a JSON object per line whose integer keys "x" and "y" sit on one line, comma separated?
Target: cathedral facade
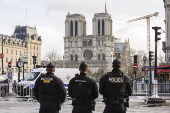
{"x": 96, "y": 49}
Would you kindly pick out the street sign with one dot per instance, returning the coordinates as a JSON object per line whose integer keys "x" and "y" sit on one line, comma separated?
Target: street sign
{"x": 24, "y": 58}
{"x": 1, "y": 55}
{"x": 9, "y": 70}
{"x": 9, "y": 64}
{"x": 135, "y": 66}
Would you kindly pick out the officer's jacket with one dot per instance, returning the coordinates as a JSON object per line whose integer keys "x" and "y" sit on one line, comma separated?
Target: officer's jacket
{"x": 59, "y": 88}
{"x": 104, "y": 82}
{"x": 81, "y": 78}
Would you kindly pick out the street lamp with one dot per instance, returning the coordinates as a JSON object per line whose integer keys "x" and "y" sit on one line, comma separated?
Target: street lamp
{"x": 2, "y": 52}
{"x": 144, "y": 60}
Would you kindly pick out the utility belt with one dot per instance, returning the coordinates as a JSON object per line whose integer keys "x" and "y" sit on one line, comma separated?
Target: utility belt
{"x": 91, "y": 103}
{"x": 113, "y": 101}
{"x": 81, "y": 102}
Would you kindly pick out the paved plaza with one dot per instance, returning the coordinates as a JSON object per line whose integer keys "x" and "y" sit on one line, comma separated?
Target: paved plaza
{"x": 12, "y": 104}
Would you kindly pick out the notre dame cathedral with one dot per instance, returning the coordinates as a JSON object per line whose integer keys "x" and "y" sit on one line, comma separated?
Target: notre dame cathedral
{"x": 98, "y": 49}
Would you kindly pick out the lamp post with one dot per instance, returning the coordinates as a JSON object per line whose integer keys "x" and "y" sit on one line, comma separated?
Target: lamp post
{"x": 2, "y": 54}
{"x": 144, "y": 60}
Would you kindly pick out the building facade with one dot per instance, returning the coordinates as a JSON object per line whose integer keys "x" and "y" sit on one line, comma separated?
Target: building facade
{"x": 24, "y": 40}
{"x": 122, "y": 51}
{"x": 166, "y": 44}
{"x": 96, "y": 49}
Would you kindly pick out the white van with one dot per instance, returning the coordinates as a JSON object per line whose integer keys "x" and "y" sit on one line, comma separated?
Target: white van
{"x": 26, "y": 86}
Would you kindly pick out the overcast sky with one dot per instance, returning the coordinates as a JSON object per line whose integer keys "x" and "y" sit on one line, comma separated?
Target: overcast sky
{"x": 49, "y": 17}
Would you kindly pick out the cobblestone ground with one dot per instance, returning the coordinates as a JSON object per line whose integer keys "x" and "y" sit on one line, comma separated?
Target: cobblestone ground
{"x": 18, "y": 105}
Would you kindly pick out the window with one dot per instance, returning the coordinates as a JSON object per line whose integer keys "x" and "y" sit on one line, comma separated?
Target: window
{"x": 87, "y": 42}
{"x": 32, "y": 76}
{"x": 71, "y": 57}
{"x": 16, "y": 52}
{"x": 6, "y": 60}
{"x": 102, "y": 42}
{"x": 6, "y": 51}
{"x": 76, "y": 28}
{"x": 98, "y": 56}
{"x": 71, "y": 28}
{"x": 99, "y": 42}
{"x": 103, "y": 56}
{"x": 98, "y": 27}
{"x": 11, "y": 51}
{"x": 76, "y": 44}
{"x": 103, "y": 27}
{"x": 76, "y": 57}
{"x": 70, "y": 43}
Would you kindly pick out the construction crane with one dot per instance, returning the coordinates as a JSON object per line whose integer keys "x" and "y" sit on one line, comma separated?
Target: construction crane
{"x": 147, "y": 17}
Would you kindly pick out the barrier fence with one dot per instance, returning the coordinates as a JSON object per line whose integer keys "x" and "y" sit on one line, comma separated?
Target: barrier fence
{"x": 140, "y": 90}
{"x": 145, "y": 90}
{"x": 4, "y": 89}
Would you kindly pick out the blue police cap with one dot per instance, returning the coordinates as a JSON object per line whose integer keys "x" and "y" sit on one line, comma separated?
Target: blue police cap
{"x": 50, "y": 65}
{"x": 83, "y": 65}
{"x": 116, "y": 62}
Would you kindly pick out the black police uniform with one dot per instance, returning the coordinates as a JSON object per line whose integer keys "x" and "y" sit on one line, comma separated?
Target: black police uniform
{"x": 50, "y": 92}
{"x": 115, "y": 87}
{"x": 83, "y": 90}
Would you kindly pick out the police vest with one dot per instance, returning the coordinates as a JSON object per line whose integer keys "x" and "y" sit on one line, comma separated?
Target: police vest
{"x": 47, "y": 88}
{"x": 115, "y": 85}
{"x": 81, "y": 88}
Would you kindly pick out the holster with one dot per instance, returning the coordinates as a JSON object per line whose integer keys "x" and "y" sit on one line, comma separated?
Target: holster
{"x": 126, "y": 102}
{"x": 93, "y": 104}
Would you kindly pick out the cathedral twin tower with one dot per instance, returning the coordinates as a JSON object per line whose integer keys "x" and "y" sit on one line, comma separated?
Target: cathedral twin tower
{"x": 96, "y": 49}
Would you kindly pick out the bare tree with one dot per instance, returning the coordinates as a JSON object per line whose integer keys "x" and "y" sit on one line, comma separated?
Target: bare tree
{"x": 53, "y": 56}
{"x": 161, "y": 59}
{"x": 140, "y": 54}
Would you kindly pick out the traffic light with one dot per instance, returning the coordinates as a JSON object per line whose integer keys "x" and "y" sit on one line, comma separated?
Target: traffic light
{"x": 151, "y": 56}
{"x": 135, "y": 59}
{"x": 157, "y": 33}
{"x": 34, "y": 59}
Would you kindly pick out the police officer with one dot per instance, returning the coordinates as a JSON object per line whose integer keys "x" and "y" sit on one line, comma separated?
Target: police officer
{"x": 49, "y": 91}
{"x": 115, "y": 88}
{"x": 83, "y": 91}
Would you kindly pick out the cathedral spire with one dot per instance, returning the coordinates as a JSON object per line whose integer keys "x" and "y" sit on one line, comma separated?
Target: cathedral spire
{"x": 105, "y": 7}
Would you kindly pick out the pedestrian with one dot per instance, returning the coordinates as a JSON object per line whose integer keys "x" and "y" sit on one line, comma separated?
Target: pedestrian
{"x": 83, "y": 91}
{"x": 14, "y": 86}
{"x": 115, "y": 88}
{"x": 49, "y": 91}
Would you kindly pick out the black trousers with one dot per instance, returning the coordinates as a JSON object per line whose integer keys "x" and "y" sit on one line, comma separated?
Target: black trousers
{"x": 49, "y": 107}
{"x": 81, "y": 109}
{"x": 115, "y": 108}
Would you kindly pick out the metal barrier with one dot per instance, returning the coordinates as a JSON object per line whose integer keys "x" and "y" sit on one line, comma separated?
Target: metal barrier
{"x": 4, "y": 89}
{"x": 25, "y": 91}
{"x": 145, "y": 91}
